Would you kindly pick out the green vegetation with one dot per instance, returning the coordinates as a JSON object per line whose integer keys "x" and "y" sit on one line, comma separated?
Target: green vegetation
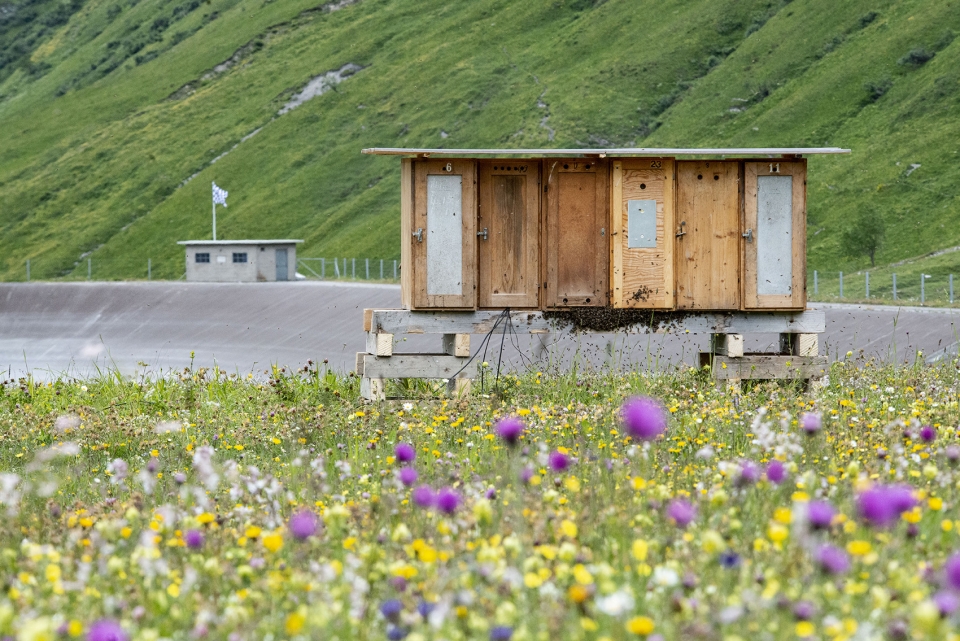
{"x": 112, "y": 111}
{"x": 212, "y": 505}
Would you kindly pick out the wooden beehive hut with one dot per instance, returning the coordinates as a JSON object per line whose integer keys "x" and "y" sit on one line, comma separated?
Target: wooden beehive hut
{"x": 592, "y": 231}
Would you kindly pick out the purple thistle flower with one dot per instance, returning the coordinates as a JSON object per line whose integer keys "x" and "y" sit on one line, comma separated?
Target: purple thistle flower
{"x": 391, "y": 609}
{"x": 882, "y": 505}
{"x": 106, "y": 630}
{"x": 681, "y": 512}
{"x": 804, "y": 610}
{"x": 424, "y": 608}
{"x": 525, "y": 475}
{"x": 193, "y": 539}
{"x": 820, "y": 514}
{"x": 947, "y": 602}
{"x": 303, "y": 525}
{"x": 952, "y": 571}
{"x": 928, "y": 433}
{"x": 644, "y": 418}
{"x": 397, "y": 633}
{"x": 408, "y": 476}
{"x": 501, "y": 633}
{"x": 423, "y": 496}
{"x": 953, "y": 453}
{"x": 810, "y": 422}
{"x": 776, "y": 472}
{"x": 832, "y": 559}
{"x": 448, "y": 500}
{"x": 559, "y": 461}
{"x": 405, "y": 452}
{"x": 729, "y": 559}
{"x": 749, "y": 473}
{"x": 510, "y": 429}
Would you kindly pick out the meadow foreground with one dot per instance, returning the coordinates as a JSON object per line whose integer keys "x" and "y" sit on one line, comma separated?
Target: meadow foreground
{"x": 206, "y": 505}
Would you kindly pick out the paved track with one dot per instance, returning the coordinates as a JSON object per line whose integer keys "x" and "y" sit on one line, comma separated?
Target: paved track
{"x": 75, "y": 328}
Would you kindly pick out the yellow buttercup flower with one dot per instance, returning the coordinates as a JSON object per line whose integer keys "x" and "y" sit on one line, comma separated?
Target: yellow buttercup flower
{"x": 642, "y": 626}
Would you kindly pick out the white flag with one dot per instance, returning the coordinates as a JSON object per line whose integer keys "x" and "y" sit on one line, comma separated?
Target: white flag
{"x": 219, "y": 196}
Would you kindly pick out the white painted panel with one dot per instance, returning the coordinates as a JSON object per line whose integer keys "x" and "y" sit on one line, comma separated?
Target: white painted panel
{"x": 444, "y": 235}
{"x": 774, "y": 235}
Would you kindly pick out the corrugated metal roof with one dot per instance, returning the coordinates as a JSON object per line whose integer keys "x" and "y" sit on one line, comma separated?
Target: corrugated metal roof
{"x": 611, "y": 153}
{"x": 280, "y": 241}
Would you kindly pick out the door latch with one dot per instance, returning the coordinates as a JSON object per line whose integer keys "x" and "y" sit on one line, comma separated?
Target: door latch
{"x": 418, "y": 234}
{"x": 748, "y": 235}
{"x": 681, "y": 233}
{"x": 483, "y": 233}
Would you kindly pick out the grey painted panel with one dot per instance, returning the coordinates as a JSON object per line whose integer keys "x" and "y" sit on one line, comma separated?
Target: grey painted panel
{"x": 445, "y": 235}
{"x": 281, "y": 264}
{"x": 774, "y": 235}
{"x": 641, "y": 223}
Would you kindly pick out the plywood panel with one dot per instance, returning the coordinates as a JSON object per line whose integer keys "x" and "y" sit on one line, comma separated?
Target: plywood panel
{"x": 707, "y": 246}
{"x": 443, "y": 236}
{"x": 576, "y": 234}
{"x": 774, "y": 251}
{"x": 642, "y": 270}
{"x": 508, "y": 225}
{"x": 406, "y": 233}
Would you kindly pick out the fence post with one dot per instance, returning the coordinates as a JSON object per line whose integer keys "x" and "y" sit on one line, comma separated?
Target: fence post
{"x": 841, "y": 284}
{"x": 923, "y": 279}
{"x": 816, "y": 288}
{"x": 89, "y": 267}
{"x": 381, "y": 271}
{"x": 149, "y": 269}
{"x": 28, "y": 271}
{"x": 894, "y": 287}
{"x": 336, "y": 268}
{"x": 867, "y": 284}
{"x": 353, "y": 268}
{"x": 323, "y": 269}
{"x": 344, "y": 267}
{"x": 951, "y": 289}
{"x": 394, "y": 269}
{"x": 367, "y": 262}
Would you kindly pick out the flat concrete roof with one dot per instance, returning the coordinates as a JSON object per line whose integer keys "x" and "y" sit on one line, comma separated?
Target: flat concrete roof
{"x": 281, "y": 241}
{"x": 617, "y": 152}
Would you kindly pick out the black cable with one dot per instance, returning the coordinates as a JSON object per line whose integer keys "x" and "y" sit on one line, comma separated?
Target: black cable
{"x": 483, "y": 343}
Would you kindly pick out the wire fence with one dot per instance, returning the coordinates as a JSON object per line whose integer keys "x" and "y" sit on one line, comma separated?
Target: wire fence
{"x": 105, "y": 269}
{"x": 376, "y": 269}
{"x": 904, "y": 288}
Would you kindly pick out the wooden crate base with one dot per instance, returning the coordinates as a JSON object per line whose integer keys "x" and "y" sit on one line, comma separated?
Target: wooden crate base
{"x": 766, "y": 366}
{"x": 376, "y": 370}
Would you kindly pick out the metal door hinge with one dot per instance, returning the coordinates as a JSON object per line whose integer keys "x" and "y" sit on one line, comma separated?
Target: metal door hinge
{"x": 680, "y": 232}
{"x": 418, "y": 234}
{"x": 483, "y": 233}
{"x": 748, "y": 235}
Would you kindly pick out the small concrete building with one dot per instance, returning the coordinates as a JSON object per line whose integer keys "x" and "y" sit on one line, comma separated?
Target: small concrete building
{"x": 232, "y": 261}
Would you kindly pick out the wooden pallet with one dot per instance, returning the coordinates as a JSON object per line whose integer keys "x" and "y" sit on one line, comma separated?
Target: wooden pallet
{"x": 798, "y": 331}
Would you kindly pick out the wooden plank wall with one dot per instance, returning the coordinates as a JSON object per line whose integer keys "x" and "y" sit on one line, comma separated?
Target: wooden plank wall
{"x": 708, "y": 252}
{"x": 753, "y": 295}
{"x": 577, "y": 232}
{"x": 643, "y": 277}
{"x": 509, "y": 253}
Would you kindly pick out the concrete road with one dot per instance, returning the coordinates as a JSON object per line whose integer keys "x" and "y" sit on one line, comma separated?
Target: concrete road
{"x": 54, "y": 329}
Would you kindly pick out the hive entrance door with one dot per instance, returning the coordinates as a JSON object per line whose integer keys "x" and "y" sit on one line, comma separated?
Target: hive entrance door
{"x": 708, "y": 235}
{"x": 508, "y": 233}
{"x": 577, "y": 224}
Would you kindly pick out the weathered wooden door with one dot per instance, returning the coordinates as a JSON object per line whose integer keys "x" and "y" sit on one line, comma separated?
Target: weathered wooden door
{"x": 708, "y": 235}
{"x": 775, "y": 234}
{"x": 508, "y": 233}
{"x": 443, "y": 234}
{"x": 577, "y": 232}
{"x": 643, "y": 233}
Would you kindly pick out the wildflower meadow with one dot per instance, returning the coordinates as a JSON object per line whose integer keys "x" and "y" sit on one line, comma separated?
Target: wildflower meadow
{"x": 563, "y": 505}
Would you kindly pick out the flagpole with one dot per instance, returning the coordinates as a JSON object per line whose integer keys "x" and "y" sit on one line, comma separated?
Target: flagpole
{"x": 214, "y": 219}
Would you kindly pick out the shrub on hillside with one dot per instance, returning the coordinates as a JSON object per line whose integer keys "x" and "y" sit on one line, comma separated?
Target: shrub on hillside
{"x": 876, "y": 89}
{"x": 916, "y": 58}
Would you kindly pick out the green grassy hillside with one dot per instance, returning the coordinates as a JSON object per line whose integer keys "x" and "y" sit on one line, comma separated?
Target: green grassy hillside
{"x": 111, "y": 112}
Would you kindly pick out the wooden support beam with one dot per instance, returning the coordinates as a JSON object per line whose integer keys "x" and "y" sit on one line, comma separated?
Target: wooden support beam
{"x": 372, "y": 389}
{"x": 728, "y": 345}
{"x": 418, "y": 366}
{"x": 800, "y": 344}
{"x": 765, "y": 366}
{"x": 456, "y": 344}
{"x": 398, "y": 321}
{"x": 367, "y": 319}
{"x": 359, "y": 366}
{"x": 380, "y": 344}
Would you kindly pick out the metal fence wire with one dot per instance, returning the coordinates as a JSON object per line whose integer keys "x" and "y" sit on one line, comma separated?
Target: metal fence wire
{"x": 880, "y": 286}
